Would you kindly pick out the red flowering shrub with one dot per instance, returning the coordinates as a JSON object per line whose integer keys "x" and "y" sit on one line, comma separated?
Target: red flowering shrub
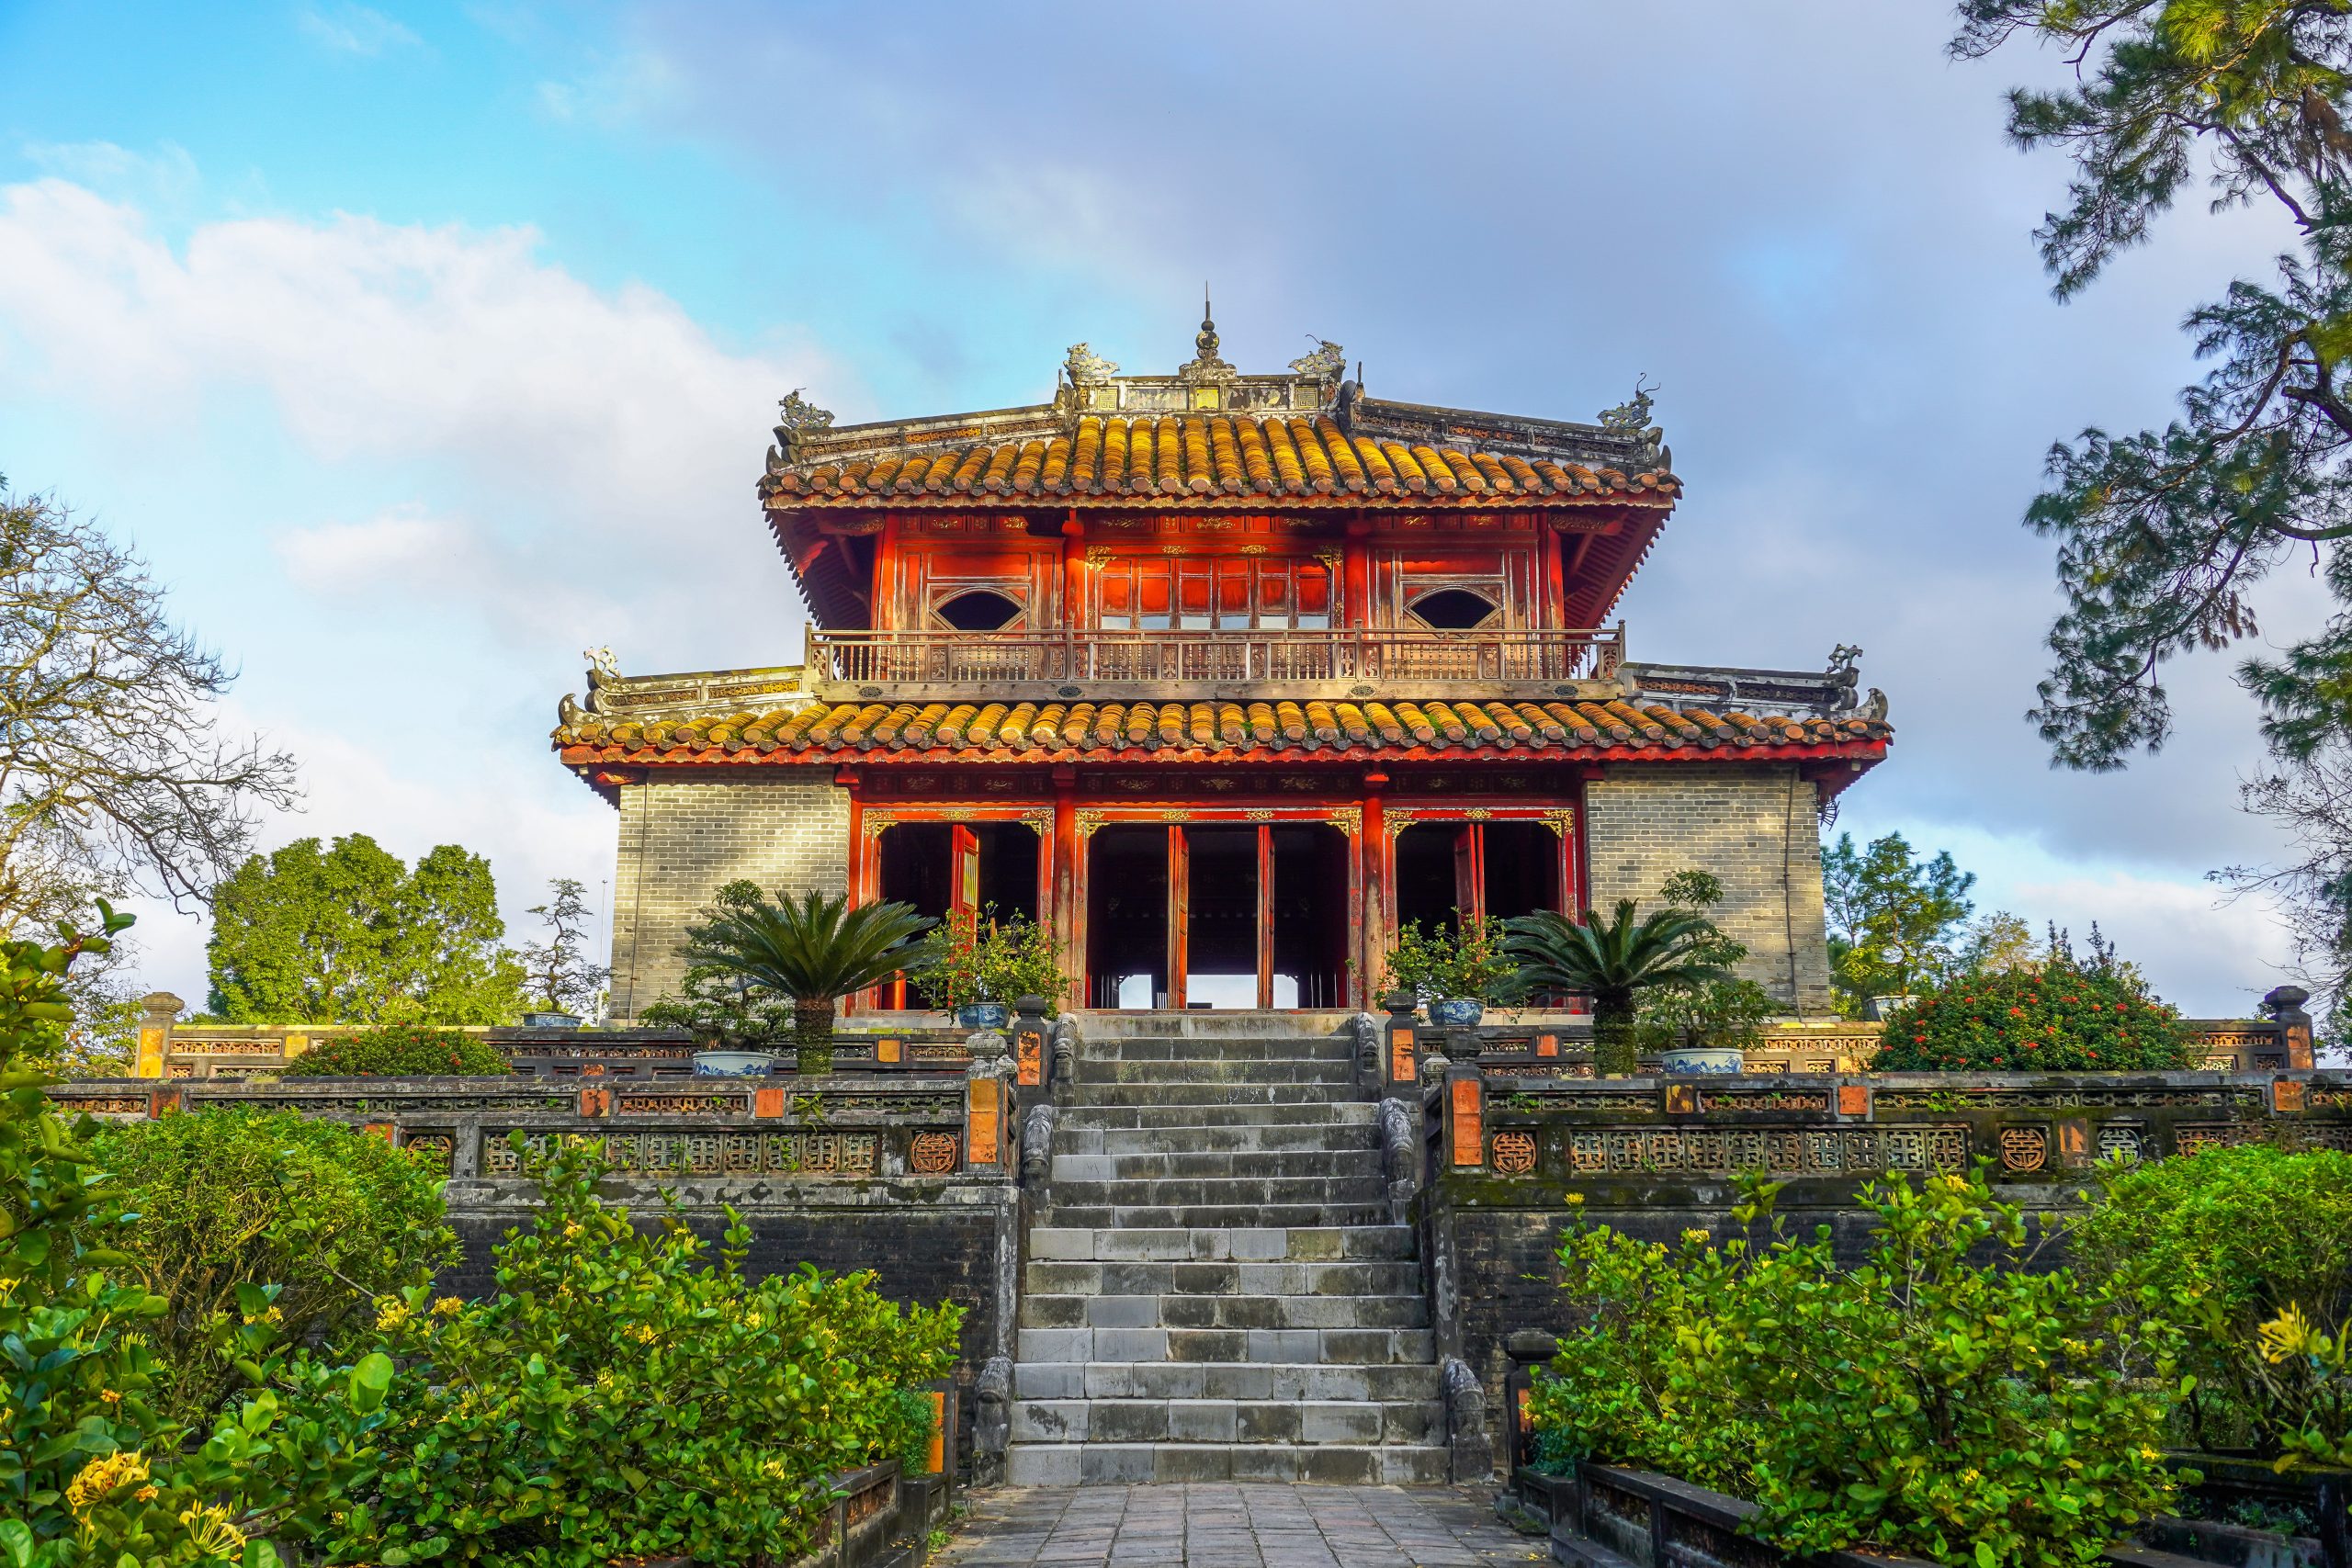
{"x": 2058, "y": 1018}
{"x": 398, "y": 1051}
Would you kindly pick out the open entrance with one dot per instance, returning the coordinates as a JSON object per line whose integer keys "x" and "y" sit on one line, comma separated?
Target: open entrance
{"x": 1127, "y": 916}
{"x": 1242, "y": 915}
{"x": 1487, "y": 870}
{"x": 940, "y": 866}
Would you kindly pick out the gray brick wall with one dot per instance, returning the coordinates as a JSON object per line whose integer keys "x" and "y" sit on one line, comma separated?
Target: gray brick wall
{"x": 680, "y": 840}
{"x": 1754, "y": 827}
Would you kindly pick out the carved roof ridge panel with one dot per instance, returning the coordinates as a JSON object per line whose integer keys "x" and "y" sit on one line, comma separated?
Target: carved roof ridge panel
{"x": 1522, "y": 433}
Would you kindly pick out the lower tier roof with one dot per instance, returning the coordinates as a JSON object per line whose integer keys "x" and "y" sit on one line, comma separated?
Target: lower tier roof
{"x": 1216, "y": 731}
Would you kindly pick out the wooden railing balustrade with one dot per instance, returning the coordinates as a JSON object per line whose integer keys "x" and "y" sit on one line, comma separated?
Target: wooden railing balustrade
{"x": 1082, "y": 655}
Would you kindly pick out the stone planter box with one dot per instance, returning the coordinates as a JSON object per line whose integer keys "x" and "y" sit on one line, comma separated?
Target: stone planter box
{"x": 2326, "y": 1494}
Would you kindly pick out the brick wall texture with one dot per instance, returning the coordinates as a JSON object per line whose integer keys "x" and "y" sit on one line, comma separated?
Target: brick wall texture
{"x": 679, "y": 841}
{"x": 1755, "y": 827}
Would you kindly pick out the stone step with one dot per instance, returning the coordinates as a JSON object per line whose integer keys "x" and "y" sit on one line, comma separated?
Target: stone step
{"x": 1248, "y": 1243}
{"x": 1208, "y": 1023}
{"x": 1163, "y": 1113}
{"x": 1321, "y": 1346}
{"x": 1224, "y": 1311}
{"x": 1190, "y": 1164}
{"x": 1205, "y": 1072}
{"x": 1332, "y": 1137}
{"x": 1227, "y": 1421}
{"x": 1215, "y": 1216}
{"x": 1331, "y": 1464}
{"x": 1160, "y": 1048}
{"x": 1223, "y": 1380}
{"x": 1225, "y": 1279}
{"x": 1163, "y": 1096}
{"x": 1363, "y": 1187}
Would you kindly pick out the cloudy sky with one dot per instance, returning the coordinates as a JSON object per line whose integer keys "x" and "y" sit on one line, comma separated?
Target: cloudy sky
{"x": 422, "y": 347}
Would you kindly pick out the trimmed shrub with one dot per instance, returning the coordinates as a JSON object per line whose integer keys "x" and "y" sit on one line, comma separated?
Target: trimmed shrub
{"x": 400, "y": 1051}
{"x": 624, "y": 1396}
{"x": 2237, "y": 1240}
{"x": 1939, "y": 1399}
{"x": 2059, "y": 1017}
{"x": 229, "y": 1201}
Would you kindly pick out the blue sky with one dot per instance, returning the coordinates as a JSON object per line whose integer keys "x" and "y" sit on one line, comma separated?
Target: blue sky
{"x": 420, "y": 347}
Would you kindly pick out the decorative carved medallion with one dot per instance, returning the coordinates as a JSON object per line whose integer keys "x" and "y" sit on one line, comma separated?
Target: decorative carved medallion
{"x": 932, "y": 1154}
{"x": 1514, "y": 1153}
{"x": 2024, "y": 1148}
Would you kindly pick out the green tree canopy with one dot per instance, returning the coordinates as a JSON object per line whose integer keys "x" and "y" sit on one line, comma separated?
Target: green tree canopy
{"x": 346, "y": 934}
{"x": 2161, "y": 532}
{"x": 1892, "y": 917}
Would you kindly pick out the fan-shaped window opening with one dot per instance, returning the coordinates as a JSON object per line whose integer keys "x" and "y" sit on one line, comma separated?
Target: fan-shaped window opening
{"x": 978, "y": 610}
{"x": 1453, "y": 610}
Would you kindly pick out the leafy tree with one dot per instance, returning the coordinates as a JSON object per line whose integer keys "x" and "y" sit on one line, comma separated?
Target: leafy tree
{"x": 1892, "y": 917}
{"x": 1994, "y": 942}
{"x": 2310, "y": 798}
{"x": 558, "y": 977}
{"x": 1724, "y": 1011}
{"x": 347, "y": 934}
{"x": 229, "y": 1201}
{"x": 93, "y": 1472}
{"x": 2162, "y": 534}
{"x": 113, "y": 775}
{"x": 814, "y": 951}
{"x": 713, "y": 1001}
{"x": 1612, "y": 964}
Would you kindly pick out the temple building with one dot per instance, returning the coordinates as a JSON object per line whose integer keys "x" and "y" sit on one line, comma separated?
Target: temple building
{"x": 1221, "y": 677}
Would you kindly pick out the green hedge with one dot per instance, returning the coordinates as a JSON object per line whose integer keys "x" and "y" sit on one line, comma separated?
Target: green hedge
{"x": 2056, "y": 1018}
{"x": 400, "y": 1051}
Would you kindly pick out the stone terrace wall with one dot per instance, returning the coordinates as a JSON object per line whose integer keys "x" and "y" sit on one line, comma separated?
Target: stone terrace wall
{"x": 1654, "y": 1157}
{"x": 680, "y": 840}
{"x": 857, "y": 1171}
{"x": 1755, "y": 828}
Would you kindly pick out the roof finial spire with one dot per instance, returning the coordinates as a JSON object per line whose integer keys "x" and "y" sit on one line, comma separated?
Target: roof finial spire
{"x": 1206, "y": 340}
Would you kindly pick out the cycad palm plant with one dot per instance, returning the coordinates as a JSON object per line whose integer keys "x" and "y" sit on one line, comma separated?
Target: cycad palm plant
{"x": 1610, "y": 962}
{"x": 814, "y": 952}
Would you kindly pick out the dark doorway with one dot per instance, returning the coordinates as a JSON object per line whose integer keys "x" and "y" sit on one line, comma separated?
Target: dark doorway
{"x": 1427, "y": 888}
{"x": 916, "y": 865}
{"x": 1007, "y": 869}
{"x": 1521, "y": 863}
{"x": 1221, "y": 918}
{"x": 939, "y": 866}
{"x": 1310, "y": 915}
{"x": 1127, "y": 917}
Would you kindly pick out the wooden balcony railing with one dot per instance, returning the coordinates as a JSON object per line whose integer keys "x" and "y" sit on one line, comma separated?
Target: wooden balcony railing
{"x": 1090, "y": 655}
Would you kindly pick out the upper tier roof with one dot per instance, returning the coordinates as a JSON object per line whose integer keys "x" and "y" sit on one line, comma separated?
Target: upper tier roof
{"x": 1210, "y": 437}
{"x": 1209, "y": 433}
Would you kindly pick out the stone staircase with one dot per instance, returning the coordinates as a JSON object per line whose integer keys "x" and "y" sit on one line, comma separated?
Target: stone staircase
{"x": 1214, "y": 1290}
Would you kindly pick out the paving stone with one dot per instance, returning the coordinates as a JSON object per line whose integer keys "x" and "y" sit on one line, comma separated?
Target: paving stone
{"x": 1216, "y": 1523}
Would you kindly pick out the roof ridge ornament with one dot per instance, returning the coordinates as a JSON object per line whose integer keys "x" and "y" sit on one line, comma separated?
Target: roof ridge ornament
{"x": 796, "y": 415}
{"x": 1086, "y": 367}
{"x": 1631, "y": 417}
{"x": 1204, "y": 365}
{"x": 1325, "y": 365}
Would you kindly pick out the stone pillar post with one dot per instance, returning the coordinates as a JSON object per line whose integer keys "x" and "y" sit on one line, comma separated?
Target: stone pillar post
{"x": 157, "y": 1012}
{"x": 2285, "y": 1006}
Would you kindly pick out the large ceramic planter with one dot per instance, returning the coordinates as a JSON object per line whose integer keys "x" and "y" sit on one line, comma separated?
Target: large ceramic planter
{"x": 1456, "y": 1013}
{"x": 983, "y": 1015}
{"x": 1701, "y": 1061}
{"x": 733, "y": 1064}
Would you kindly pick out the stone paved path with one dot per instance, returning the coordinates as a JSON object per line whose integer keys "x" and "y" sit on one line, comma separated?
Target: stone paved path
{"x": 1225, "y": 1526}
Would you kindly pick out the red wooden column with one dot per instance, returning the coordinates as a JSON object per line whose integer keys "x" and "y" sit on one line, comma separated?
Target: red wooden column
{"x": 963, "y": 869}
{"x": 1371, "y": 870}
{"x": 861, "y": 857}
{"x": 1068, "y": 903}
{"x": 1265, "y": 916}
{"x": 1180, "y": 903}
{"x": 1355, "y": 563}
{"x": 1073, "y": 576}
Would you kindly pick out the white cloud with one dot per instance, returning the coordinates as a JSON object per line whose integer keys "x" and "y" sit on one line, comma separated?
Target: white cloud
{"x": 352, "y": 29}
{"x": 165, "y": 177}
{"x": 403, "y": 546}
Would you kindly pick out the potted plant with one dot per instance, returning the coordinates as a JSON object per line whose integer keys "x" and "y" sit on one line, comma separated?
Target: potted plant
{"x": 814, "y": 951}
{"x": 1459, "y": 970}
{"x": 975, "y": 965}
{"x": 1612, "y": 962}
{"x": 1701, "y": 1025}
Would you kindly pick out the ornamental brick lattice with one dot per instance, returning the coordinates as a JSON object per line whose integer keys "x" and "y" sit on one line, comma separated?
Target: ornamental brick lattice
{"x": 2024, "y": 1148}
{"x": 1514, "y": 1153}
{"x": 932, "y": 1154}
{"x": 2122, "y": 1141}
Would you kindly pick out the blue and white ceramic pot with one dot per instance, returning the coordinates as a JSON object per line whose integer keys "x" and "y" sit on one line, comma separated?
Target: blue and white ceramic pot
{"x": 1456, "y": 1013}
{"x": 733, "y": 1064}
{"x": 1700, "y": 1061}
{"x": 983, "y": 1015}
